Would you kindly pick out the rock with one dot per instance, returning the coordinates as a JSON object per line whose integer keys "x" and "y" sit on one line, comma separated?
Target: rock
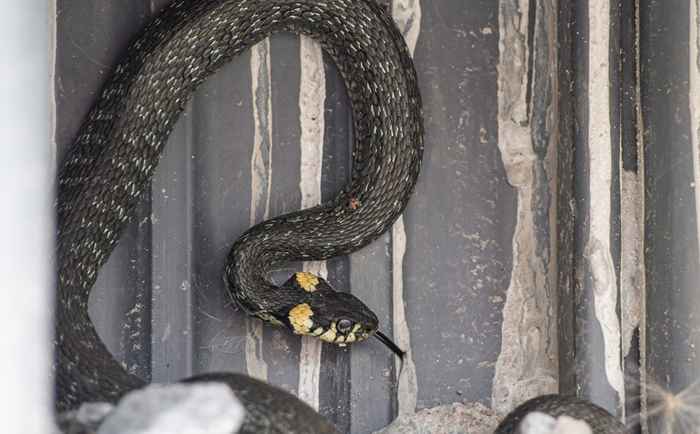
{"x": 457, "y": 418}
{"x": 540, "y": 423}
{"x": 84, "y": 420}
{"x": 204, "y": 408}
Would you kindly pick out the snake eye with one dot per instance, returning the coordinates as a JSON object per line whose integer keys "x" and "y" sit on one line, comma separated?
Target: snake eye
{"x": 344, "y": 325}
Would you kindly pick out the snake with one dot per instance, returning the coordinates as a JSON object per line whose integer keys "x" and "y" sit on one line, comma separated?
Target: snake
{"x": 117, "y": 150}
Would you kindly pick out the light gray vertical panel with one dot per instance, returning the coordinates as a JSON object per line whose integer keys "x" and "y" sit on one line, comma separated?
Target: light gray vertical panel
{"x": 460, "y": 222}
{"x": 281, "y": 348}
{"x": 172, "y": 261}
{"x": 223, "y": 137}
{"x": 27, "y": 226}
{"x": 90, "y": 40}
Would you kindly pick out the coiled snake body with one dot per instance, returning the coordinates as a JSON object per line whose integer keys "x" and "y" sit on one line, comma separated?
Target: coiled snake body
{"x": 120, "y": 143}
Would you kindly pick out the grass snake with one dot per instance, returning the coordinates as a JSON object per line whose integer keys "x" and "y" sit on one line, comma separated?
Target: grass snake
{"x": 118, "y": 147}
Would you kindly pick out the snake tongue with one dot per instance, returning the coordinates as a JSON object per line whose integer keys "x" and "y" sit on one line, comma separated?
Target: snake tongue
{"x": 390, "y": 344}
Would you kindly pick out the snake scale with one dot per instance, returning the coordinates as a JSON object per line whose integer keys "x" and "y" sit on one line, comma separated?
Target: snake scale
{"x": 118, "y": 147}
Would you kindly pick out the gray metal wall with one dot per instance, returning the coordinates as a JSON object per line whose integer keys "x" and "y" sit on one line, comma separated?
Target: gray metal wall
{"x": 518, "y": 267}
{"x": 670, "y": 102}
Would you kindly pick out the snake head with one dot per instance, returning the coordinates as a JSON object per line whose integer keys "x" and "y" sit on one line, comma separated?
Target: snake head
{"x": 335, "y": 317}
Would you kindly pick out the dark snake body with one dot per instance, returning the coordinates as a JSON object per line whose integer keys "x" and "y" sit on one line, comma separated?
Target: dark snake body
{"x": 600, "y": 421}
{"x": 120, "y": 143}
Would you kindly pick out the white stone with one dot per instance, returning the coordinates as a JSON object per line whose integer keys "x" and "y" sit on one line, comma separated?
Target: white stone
{"x": 205, "y": 408}
{"x": 540, "y": 423}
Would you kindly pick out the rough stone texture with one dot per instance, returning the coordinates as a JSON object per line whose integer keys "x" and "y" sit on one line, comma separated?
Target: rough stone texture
{"x": 457, "y": 418}
{"x": 540, "y": 423}
{"x": 177, "y": 408}
{"x": 84, "y": 420}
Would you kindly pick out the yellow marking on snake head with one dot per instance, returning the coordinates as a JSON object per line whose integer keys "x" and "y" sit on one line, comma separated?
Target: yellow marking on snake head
{"x": 307, "y": 281}
{"x": 300, "y": 318}
{"x": 351, "y": 338}
{"x": 318, "y": 331}
{"x": 330, "y": 334}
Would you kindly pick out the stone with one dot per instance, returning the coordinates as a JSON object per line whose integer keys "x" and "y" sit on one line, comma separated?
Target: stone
{"x": 84, "y": 420}
{"x": 457, "y": 418}
{"x": 203, "y": 408}
{"x": 540, "y": 423}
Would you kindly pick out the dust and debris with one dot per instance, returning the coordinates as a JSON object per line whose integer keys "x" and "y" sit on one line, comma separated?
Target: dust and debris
{"x": 457, "y": 418}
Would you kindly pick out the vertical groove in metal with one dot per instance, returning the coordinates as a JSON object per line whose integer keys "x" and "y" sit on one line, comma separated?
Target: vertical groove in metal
{"x": 261, "y": 178}
{"x": 598, "y": 355}
{"x": 172, "y": 261}
{"x": 694, "y": 104}
{"x": 120, "y": 302}
{"x": 223, "y": 138}
{"x": 631, "y": 185}
{"x": 566, "y": 213}
{"x": 336, "y": 379}
{"x": 669, "y": 101}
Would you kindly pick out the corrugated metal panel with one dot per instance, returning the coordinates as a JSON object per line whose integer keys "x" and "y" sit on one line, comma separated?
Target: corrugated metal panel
{"x": 517, "y": 266}
{"x": 239, "y": 154}
{"x": 670, "y": 73}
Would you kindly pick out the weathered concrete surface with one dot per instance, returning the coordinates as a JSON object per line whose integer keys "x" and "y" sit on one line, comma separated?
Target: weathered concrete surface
{"x": 527, "y": 364}
{"x": 457, "y": 418}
